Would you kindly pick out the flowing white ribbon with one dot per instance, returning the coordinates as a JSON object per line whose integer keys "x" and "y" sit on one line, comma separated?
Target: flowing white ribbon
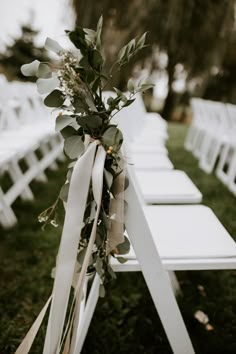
{"x": 76, "y": 204}
{"x": 89, "y": 165}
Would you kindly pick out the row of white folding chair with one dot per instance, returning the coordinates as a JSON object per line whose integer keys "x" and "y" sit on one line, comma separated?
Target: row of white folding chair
{"x": 187, "y": 237}
{"x": 159, "y": 182}
{"x": 212, "y": 137}
{"x": 21, "y": 134}
{"x": 165, "y": 238}
{"x": 146, "y": 134}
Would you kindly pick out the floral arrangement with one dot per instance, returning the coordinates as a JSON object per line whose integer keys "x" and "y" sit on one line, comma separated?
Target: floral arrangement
{"x": 75, "y": 86}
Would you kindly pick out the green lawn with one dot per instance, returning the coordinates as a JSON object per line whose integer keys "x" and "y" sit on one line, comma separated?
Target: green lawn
{"x": 125, "y": 320}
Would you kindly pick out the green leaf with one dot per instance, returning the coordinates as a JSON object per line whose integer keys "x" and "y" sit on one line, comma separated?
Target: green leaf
{"x": 112, "y": 137}
{"x": 141, "y": 41}
{"x": 124, "y": 248}
{"x": 80, "y": 105}
{"x": 47, "y": 85}
{"x": 30, "y": 69}
{"x": 121, "y": 53}
{"x": 73, "y": 146}
{"x": 63, "y": 121}
{"x": 96, "y": 84}
{"x": 54, "y": 99}
{"x": 129, "y": 102}
{"x": 131, "y": 45}
{"x": 144, "y": 87}
{"x": 89, "y": 122}
{"x": 99, "y": 32}
{"x": 122, "y": 260}
{"x": 53, "y": 46}
{"x": 64, "y": 192}
{"x": 44, "y": 71}
{"x": 77, "y": 37}
{"x": 90, "y": 36}
{"x": 119, "y": 93}
{"x": 95, "y": 59}
{"x": 68, "y": 132}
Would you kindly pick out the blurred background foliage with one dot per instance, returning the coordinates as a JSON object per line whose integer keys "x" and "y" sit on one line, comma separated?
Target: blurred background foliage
{"x": 23, "y": 50}
{"x": 192, "y": 47}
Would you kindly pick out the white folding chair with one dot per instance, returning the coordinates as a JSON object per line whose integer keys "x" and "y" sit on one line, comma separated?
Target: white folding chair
{"x": 156, "y": 277}
{"x": 167, "y": 187}
{"x": 186, "y": 237}
{"x": 225, "y": 170}
{"x": 216, "y": 136}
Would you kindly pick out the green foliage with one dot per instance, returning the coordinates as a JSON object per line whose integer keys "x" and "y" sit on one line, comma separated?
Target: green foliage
{"x": 75, "y": 85}
{"x": 22, "y": 51}
{"x": 54, "y": 99}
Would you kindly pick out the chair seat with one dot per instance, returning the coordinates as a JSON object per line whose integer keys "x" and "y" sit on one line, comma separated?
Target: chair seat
{"x": 150, "y": 161}
{"x": 167, "y": 187}
{"x": 188, "y": 232}
{"x": 145, "y": 148}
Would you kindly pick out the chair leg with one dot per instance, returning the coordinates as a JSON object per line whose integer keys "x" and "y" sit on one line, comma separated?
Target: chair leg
{"x": 7, "y": 216}
{"x": 45, "y": 151}
{"x": 16, "y": 175}
{"x": 32, "y": 160}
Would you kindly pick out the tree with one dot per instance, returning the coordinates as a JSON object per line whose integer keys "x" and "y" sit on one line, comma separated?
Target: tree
{"x": 194, "y": 33}
{"x": 22, "y": 51}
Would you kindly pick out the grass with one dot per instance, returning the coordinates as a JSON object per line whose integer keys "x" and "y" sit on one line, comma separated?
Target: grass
{"x": 125, "y": 321}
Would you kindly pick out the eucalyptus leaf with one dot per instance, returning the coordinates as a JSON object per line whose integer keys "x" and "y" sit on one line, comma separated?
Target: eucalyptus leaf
{"x": 68, "y": 132}
{"x": 112, "y": 137}
{"x": 54, "y": 99}
{"x": 124, "y": 248}
{"x": 90, "y": 121}
{"x": 44, "y": 71}
{"x": 77, "y": 37}
{"x": 53, "y": 46}
{"x": 122, "y": 260}
{"x": 63, "y": 121}
{"x": 30, "y": 69}
{"x": 73, "y": 146}
{"x": 80, "y": 105}
{"x": 64, "y": 192}
{"x": 47, "y": 85}
{"x": 95, "y": 59}
{"x": 90, "y": 36}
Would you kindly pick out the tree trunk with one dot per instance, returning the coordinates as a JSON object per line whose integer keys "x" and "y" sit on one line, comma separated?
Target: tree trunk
{"x": 171, "y": 96}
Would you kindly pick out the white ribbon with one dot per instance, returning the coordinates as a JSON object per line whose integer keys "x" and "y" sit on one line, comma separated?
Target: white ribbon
{"x": 66, "y": 260}
{"x": 89, "y": 165}
{"x": 27, "y": 342}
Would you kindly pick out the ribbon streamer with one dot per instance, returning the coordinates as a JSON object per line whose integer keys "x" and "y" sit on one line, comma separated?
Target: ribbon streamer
{"x": 89, "y": 166}
{"x": 116, "y": 231}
